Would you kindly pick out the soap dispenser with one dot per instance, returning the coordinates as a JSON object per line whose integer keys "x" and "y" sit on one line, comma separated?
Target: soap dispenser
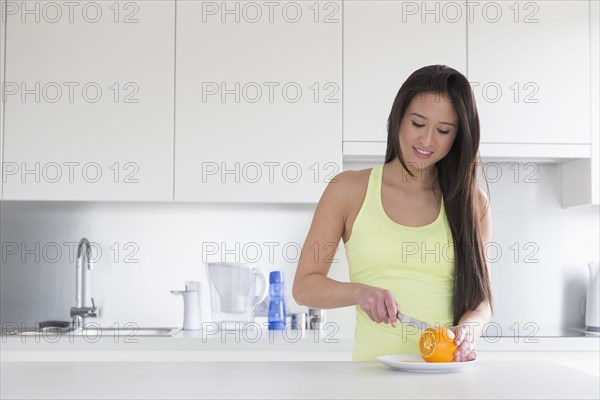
{"x": 192, "y": 319}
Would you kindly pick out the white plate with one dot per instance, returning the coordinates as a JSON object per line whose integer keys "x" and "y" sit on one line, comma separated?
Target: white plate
{"x": 414, "y": 363}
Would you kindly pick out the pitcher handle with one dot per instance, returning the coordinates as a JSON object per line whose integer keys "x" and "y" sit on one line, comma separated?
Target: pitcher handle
{"x": 263, "y": 290}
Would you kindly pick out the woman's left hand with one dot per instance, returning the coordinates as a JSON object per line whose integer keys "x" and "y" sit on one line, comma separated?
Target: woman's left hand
{"x": 466, "y": 344}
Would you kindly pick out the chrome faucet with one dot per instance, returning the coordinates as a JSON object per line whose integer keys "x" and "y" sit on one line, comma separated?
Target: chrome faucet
{"x": 83, "y": 264}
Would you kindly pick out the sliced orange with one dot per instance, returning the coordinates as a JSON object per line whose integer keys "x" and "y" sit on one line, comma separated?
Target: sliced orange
{"x": 436, "y": 346}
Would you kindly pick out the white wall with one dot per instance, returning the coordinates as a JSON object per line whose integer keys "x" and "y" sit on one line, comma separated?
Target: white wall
{"x": 168, "y": 241}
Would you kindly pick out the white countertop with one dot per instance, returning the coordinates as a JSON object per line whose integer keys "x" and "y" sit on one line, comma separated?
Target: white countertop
{"x": 330, "y": 340}
{"x": 182, "y": 380}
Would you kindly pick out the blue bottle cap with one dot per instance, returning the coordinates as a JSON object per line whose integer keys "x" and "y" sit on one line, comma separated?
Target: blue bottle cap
{"x": 276, "y": 277}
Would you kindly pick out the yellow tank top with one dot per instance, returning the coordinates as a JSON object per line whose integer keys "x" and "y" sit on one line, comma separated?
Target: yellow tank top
{"x": 415, "y": 263}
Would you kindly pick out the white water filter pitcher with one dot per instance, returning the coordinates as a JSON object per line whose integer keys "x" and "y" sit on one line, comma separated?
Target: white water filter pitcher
{"x": 233, "y": 293}
{"x": 592, "y": 309}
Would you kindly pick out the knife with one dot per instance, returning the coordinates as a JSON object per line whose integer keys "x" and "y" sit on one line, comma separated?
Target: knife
{"x": 408, "y": 320}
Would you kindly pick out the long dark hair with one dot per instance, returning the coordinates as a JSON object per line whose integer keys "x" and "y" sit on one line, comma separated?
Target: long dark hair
{"x": 457, "y": 178}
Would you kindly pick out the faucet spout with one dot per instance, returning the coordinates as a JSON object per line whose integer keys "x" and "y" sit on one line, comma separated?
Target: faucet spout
{"x": 82, "y": 266}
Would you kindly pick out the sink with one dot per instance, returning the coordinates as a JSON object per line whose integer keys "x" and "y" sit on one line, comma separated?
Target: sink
{"x": 96, "y": 332}
{"x": 128, "y": 331}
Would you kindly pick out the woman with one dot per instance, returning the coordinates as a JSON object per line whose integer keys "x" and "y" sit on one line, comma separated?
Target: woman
{"x": 413, "y": 228}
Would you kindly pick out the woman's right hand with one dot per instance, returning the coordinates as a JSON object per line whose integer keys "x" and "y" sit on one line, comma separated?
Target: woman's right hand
{"x": 379, "y": 304}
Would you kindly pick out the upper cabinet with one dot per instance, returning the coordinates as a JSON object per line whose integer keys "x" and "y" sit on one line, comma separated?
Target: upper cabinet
{"x": 581, "y": 178}
{"x": 258, "y": 100}
{"x": 529, "y": 65}
{"x": 2, "y": 36}
{"x": 162, "y": 100}
{"x": 384, "y": 42}
{"x": 89, "y": 100}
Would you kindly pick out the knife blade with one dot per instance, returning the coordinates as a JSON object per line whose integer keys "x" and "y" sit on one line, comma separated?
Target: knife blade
{"x": 408, "y": 320}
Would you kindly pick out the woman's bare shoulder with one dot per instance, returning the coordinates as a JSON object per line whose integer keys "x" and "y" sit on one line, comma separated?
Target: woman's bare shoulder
{"x": 352, "y": 181}
{"x": 350, "y": 187}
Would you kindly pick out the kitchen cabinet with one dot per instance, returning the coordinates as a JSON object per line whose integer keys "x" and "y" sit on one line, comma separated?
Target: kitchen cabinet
{"x": 258, "y": 100}
{"x": 529, "y": 65}
{"x": 517, "y": 55}
{"x": 89, "y": 100}
{"x": 2, "y": 36}
{"x": 581, "y": 178}
{"x": 384, "y": 42}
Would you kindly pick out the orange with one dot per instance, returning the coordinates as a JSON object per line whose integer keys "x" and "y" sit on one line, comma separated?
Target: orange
{"x": 436, "y": 346}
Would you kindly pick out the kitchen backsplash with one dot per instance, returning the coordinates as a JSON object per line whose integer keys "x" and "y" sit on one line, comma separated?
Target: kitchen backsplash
{"x": 538, "y": 257}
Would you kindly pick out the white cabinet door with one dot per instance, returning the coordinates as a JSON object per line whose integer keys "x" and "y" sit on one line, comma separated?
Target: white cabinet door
{"x": 581, "y": 178}
{"x": 258, "y": 97}
{"x": 595, "y": 84}
{"x": 384, "y": 42}
{"x": 2, "y": 37}
{"x": 89, "y": 100}
{"x": 529, "y": 63}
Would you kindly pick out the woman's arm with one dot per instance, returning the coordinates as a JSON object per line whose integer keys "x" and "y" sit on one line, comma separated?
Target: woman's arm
{"x": 473, "y": 322}
{"x": 311, "y": 286}
{"x": 476, "y": 320}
